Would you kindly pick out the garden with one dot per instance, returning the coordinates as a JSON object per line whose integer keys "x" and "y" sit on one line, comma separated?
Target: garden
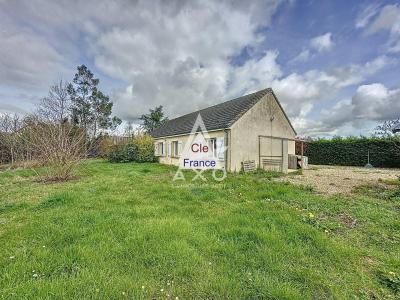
{"x": 127, "y": 230}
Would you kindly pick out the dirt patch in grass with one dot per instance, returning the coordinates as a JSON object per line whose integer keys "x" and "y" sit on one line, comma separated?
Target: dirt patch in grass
{"x": 44, "y": 179}
{"x": 348, "y": 221}
{"x": 341, "y": 180}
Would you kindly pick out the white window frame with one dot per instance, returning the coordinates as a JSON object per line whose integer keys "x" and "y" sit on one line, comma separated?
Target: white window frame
{"x": 160, "y": 149}
{"x": 175, "y": 149}
{"x": 212, "y": 146}
{"x": 169, "y": 149}
{"x": 215, "y": 151}
{"x": 220, "y": 153}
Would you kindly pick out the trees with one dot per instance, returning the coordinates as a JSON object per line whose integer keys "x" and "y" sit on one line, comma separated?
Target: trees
{"x": 57, "y": 146}
{"x": 128, "y": 130}
{"x": 56, "y": 107}
{"x": 10, "y": 125}
{"x": 90, "y": 108}
{"x": 56, "y": 141}
{"x": 385, "y": 129}
{"x": 63, "y": 128}
{"x": 154, "y": 119}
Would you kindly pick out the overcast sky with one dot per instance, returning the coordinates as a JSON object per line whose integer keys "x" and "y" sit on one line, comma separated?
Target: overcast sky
{"x": 334, "y": 65}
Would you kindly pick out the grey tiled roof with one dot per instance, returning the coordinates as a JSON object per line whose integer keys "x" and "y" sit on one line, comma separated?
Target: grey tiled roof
{"x": 219, "y": 116}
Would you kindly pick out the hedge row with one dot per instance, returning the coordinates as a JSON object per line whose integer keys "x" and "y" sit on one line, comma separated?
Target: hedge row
{"x": 140, "y": 149}
{"x": 383, "y": 152}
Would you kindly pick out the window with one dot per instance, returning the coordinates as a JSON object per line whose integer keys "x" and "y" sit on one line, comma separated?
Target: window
{"x": 220, "y": 153}
{"x": 160, "y": 149}
{"x": 175, "y": 149}
{"x": 212, "y": 146}
{"x": 217, "y": 148}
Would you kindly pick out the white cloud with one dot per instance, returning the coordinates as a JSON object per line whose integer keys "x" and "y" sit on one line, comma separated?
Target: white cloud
{"x": 388, "y": 19}
{"x": 298, "y": 91}
{"x": 317, "y": 44}
{"x": 370, "y": 105}
{"x": 376, "y": 102}
{"x": 366, "y": 15}
{"x": 254, "y": 75}
{"x": 174, "y": 61}
{"x": 27, "y": 60}
{"x": 304, "y": 55}
{"x": 322, "y": 43}
{"x": 171, "y": 53}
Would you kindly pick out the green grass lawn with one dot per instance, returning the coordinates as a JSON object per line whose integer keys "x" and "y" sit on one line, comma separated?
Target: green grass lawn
{"x": 128, "y": 231}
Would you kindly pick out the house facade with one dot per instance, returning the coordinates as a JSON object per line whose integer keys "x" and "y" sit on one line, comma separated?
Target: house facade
{"x": 253, "y": 128}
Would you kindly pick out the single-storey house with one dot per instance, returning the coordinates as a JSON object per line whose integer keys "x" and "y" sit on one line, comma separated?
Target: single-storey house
{"x": 253, "y": 128}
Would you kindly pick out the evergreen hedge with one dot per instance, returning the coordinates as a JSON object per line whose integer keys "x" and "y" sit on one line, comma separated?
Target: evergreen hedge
{"x": 353, "y": 151}
{"x": 139, "y": 149}
{"x": 123, "y": 153}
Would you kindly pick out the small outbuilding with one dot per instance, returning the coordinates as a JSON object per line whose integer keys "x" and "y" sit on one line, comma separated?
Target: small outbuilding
{"x": 251, "y": 129}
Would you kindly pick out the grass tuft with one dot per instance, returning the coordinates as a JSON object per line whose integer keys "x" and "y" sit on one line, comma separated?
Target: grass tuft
{"x": 56, "y": 201}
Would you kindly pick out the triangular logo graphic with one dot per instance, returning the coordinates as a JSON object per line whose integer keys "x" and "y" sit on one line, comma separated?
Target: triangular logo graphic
{"x": 199, "y": 151}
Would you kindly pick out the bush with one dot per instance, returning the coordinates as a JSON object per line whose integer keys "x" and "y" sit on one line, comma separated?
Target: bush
{"x": 102, "y": 146}
{"x": 145, "y": 148}
{"x": 58, "y": 147}
{"x": 123, "y": 153}
{"x": 353, "y": 151}
{"x": 140, "y": 149}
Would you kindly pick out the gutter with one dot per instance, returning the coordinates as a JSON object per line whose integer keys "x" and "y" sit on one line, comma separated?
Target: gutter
{"x": 183, "y": 134}
{"x": 227, "y": 142}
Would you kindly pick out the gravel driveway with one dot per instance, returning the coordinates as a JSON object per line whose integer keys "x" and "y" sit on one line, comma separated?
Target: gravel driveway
{"x": 339, "y": 180}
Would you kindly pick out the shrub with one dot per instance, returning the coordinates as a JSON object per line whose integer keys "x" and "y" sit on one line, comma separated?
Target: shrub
{"x": 353, "y": 151}
{"x": 58, "y": 147}
{"x": 123, "y": 153}
{"x": 102, "y": 146}
{"x": 145, "y": 148}
{"x": 140, "y": 149}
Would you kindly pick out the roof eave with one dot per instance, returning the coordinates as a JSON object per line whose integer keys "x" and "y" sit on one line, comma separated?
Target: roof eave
{"x": 284, "y": 113}
{"x": 187, "y": 133}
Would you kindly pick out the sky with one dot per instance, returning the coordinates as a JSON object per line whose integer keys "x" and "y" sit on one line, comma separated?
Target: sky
{"x": 334, "y": 65}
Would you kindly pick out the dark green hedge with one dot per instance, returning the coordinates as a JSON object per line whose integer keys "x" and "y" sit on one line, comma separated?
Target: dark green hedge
{"x": 353, "y": 151}
{"x": 123, "y": 153}
{"x": 139, "y": 149}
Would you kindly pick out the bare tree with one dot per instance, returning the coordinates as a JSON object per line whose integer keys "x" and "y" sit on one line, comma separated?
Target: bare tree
{"x": 385, "y": 130}
{"x": 57, "y": 143}
{"x": 129, "y": 131}
{"x": 60, "y": 147}
{"x": 9, "y": 138}
{"x": 56, "y": 106}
